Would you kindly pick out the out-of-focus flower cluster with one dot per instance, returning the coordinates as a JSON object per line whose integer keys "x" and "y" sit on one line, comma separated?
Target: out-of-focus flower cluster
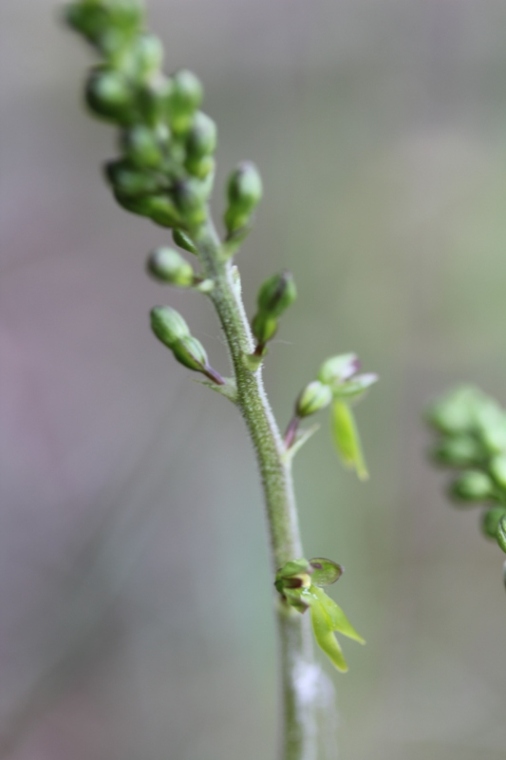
{"x": 471, "y": 430}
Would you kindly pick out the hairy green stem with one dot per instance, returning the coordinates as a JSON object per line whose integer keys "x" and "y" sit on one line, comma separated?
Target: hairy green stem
{"x": 300, "y": 675}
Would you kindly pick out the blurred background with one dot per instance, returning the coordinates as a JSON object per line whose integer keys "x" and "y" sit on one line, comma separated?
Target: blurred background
{"x": 134, "y": 577}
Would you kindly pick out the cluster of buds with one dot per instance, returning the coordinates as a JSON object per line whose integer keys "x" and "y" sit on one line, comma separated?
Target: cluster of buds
{"x": 299, "y": 585}
{"x": 338, "y": 385}
{"x": 165, "y": 171}
{"x": 471, "y": 430}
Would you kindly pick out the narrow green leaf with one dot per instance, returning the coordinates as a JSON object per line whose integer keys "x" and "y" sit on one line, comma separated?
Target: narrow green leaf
{"x": 346, "y": 438}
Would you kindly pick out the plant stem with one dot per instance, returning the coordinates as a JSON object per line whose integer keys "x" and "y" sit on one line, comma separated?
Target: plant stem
{"x": 299, "y": 672}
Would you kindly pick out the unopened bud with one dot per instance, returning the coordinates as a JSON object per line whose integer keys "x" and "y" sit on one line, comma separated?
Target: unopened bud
{"x": 202, "y": 137}
{"x": 130, "y": 181}
{"x": 189, "y": 197}
{"x": 454, "y": 413}
{"x": 277, "y": 294}
{"x": 171, "y": 329}
{"x": 494, "y": 436}
{"x": 472, "y": 486}
{"x": 168, "y": 325}
{"x": 458, "y": 451}
{"x": 191, "y": 354}
{"x": 162, "y": 211}
{"x": 158, "y": 208}
{"x": 200, "y": 145}
{"x": 86, "y": 19}
{"x": 337, "y": 369}
{"x": 314, "y": 397}
{"x": 101, "y": 22}
{"x": 147, "y": 54}
{"x": 142, "y": 147}
{"x": 491, "y": 519}
{"x": 109, "y": 95}
{"x": 498, "y": 470}
{"x": 244, "y": 192}
{"x": 167, "y": 265}
{"x": 185, "y": 97}
{"x": 154, "y": 98}
{"x": 264, "y": 328}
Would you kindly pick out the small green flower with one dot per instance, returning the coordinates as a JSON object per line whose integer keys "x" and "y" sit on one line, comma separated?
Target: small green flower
{"x": 298, "y": 582}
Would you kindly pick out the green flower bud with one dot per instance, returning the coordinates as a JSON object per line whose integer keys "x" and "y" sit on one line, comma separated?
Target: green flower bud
{"x": 494, "y": 437}
{"x": 184, "y": 241}
{"x": 264, "y": 328}
{"x": 277, "y": 294}
{"x": 501, "y": 535}
{"x": 490, "y": 521}
{"x": 171, "y": 329}
{"x": 190, "y": 198}
{"x": 125, "y": 13}
{"x": 201, "y": 167}
{"x": 454, "y": 413}
{"x": 130, "y": 181}
{"x": 168, "y": 325}
{"x": 185, "y": 97}
{"x": 202, "y": 137}
{"x": 191, "y": 354}
{"x": 158, "y": 208}
{"x": 459, "y": 451}
{"x": 498, "y": 470}
{"x": 147, "y": 54}
{"x": 87, "y": 19}
{"x": 154, "y": 98}
{"x": 162, "y": 211}
{"x": 314, "y": 397}
{"x": 337, "y": 369}
{"x": 109, "y": 95}
{"x": 472, "y": 486}
{"x": 244, "y": 192}
{"x": 142, "y": 147}
{"x": 200, "y": 145}
{"x": 167, "y": 265}
{"x": 108, "y": 25}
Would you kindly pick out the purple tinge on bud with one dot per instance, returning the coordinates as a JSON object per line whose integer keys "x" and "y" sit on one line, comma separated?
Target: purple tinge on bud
{"x": 338, "y": 369}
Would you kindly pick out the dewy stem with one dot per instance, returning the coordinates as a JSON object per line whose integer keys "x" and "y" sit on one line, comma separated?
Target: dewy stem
{"x": 300, "y": 675}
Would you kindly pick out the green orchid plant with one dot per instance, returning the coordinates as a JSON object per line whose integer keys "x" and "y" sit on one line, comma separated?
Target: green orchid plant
{"x": 165, "y": 172}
